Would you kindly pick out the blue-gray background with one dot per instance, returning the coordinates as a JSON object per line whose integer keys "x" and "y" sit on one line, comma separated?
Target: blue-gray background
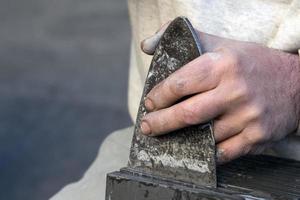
{"x": 63, "y": 88}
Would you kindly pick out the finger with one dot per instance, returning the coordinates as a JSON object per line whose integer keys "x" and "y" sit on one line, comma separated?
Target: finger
{"x": 233, "y": 122}
{"x": 195, "y": 77}
{"x": 208, "y": 42}
{"x": 149, "y": 45}
{"x": 233, "y": 148}
{"x": 227, "y": 126}
{"x": 197, "y": 109}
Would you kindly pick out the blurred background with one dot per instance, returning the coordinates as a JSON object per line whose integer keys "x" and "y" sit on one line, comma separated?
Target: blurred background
{"x": 63, "y": 88}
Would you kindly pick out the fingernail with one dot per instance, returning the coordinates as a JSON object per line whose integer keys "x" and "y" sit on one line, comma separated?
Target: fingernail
{"x": 149, "y": 44}
{"x": 145, "y": 128}
{"x": 149, "y": 104}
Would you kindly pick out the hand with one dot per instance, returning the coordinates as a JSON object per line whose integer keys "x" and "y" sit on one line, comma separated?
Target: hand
{"x": 252, "y": 93}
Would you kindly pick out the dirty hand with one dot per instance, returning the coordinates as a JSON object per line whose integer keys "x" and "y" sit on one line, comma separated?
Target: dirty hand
{"x": 252, "y": 93}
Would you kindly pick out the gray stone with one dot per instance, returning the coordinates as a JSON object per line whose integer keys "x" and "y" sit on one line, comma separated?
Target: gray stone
{"x": 187, "y": 154}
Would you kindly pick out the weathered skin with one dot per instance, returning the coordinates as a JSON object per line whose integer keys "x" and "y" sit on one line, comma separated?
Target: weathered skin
{"x": 187, "y": 154}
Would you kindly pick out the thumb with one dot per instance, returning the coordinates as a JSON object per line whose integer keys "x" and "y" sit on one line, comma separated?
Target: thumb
{"x": 209, "y": 42}
{"x": 149, "y": 45}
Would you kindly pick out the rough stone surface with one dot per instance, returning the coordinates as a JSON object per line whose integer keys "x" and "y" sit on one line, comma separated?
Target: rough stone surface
{"x": 187, "y": 154}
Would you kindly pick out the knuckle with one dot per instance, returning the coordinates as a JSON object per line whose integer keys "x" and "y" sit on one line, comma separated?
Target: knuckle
{"x": 255, "y": 137}
{"x": 176, "y": 86}
{"x": 230, "y": 59}
{"x": 189, "y": 115}
{"x": 221, "y": 128}
{"x": 249, "y": 139}
{"x": 243, "y": 90}
{"x": 216, "y": 61}
{"x": 255, "y": 112}
{"x": 213, "y": 56}
{"x": 240, "y": 92}
{"x": 211, "y": 60}
{"x": 262, "y": 135}
{"x": 204, "y": 72}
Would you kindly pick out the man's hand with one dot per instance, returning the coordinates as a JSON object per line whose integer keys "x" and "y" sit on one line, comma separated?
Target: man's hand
{"x": 252, "y": 93}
